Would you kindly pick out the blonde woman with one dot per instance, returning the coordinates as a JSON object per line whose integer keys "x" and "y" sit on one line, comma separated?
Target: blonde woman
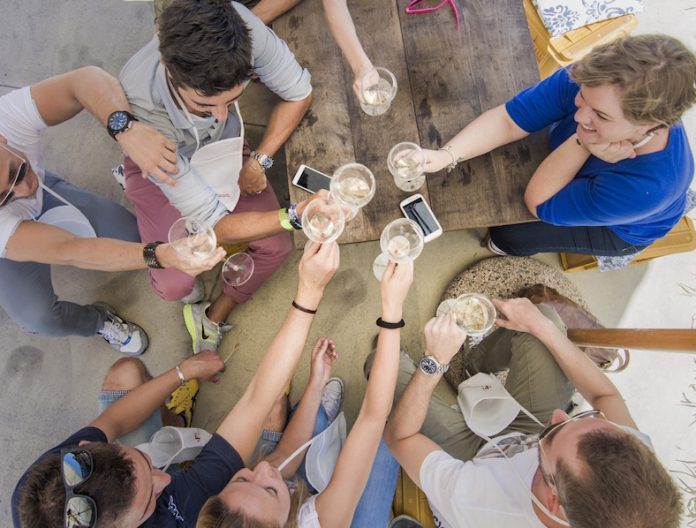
{"x": 620, "y": 163}
{"x": 260, "y": 498}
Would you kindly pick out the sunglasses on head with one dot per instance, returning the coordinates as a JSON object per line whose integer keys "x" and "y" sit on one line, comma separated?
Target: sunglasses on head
{"x": 76, "y": 466}
{"x": 20, "y": 174}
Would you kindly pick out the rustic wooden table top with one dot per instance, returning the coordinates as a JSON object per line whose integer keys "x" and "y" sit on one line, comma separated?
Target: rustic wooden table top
{"x": 445, "y": 80}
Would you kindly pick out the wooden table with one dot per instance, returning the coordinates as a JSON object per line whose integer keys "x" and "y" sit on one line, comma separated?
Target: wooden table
{"x": 446, "y": 79}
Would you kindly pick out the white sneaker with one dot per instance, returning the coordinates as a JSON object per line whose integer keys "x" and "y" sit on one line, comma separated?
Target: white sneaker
{"x": 495, "y": 249}
{"x": 196, "y": 294}
{"x": 332, "y": 397}
{"x": 124, "y": 336}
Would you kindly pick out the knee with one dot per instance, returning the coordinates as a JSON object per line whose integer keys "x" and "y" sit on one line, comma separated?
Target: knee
{"x": 172, "y": 289}
{"x": 505, "y": 239}
{"x": 47, "y": 322}
{"x": 126, "y": 374}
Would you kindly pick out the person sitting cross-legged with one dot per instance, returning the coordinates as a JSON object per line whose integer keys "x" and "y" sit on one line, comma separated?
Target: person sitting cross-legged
{"x": 591, "y": 470}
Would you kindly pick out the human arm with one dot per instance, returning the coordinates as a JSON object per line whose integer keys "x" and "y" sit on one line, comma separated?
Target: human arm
{"x": 490, "y": 130}
{"x": 300, "y": 428}
{"x": 242, "y": 426}
{"x": 61, "y": 97}
{"x": 443, "y": 340}
{"x": 594, "y": 385}
{"x": 47, "y": 244}
{"x": 336, "y": 504}
{"x": 127, "y": 413}
{"x": 285, "y": 117}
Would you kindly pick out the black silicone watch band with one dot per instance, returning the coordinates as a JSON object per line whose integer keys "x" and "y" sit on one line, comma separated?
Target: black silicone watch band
{"x": 389, "y": 326}
{"x": 150, "y": 256}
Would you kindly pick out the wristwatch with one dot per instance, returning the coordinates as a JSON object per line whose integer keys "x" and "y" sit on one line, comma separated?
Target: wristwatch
{"x": 150, "y": 256}
{"x": 118, "y": 122}
{"x": 265, "y": 161}
{"x": 429, "y": 365}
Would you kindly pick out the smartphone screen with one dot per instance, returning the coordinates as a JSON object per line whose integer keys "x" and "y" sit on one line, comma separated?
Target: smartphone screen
{"x": 419, "y": 212}
{"x": 312, "y": 180}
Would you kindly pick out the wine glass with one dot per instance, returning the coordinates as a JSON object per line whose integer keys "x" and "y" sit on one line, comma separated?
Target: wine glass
{"x": 378, "y": 89}
{"x": 474, "y": 313}
{"x": 237, "y": 269}
{"x": 353, "y": 186}
{"x": 406, "y": 162}
{"x": 323, "y": 219}
{"x": 401, "y": 240}
{"x": 192, "y": 238}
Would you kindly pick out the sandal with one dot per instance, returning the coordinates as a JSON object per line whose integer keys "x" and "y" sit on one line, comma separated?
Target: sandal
{"x": 182, "y": 399}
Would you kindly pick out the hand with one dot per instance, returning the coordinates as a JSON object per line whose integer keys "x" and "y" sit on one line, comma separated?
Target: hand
{"x": 611, "y": 152}
{"x": 317, "y": 266}
{"x": 520, "y": 315}
{"x": 443, "y": 338}
{"x": 394, "y": 287}
{"x": 436, "y": 160}
{"x": 204, "y": 366}
{"x": 321, "y": 193}
{"x": 367, "y": 76}
{"x": 252, "y": 178}
{"x": 152, "y": 152}
{"x": 323, "y": 356}
{"x": 168, "y": 257}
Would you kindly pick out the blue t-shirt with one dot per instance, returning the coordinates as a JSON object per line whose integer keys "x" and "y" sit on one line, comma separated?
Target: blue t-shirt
{"x": 181, "y": 501}
{"x": 639, "y": 199}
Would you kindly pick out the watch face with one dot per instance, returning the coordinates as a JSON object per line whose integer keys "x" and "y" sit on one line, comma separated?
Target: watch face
{"x": 428, "y": 365}
{"x": 118, "y": 121}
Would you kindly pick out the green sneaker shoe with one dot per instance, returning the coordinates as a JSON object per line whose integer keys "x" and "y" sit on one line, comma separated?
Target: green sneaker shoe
{"x": 205, "y": 334}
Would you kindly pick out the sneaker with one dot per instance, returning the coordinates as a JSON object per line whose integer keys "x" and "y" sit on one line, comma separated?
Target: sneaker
{"x": 205, "y": 334}
{"x": 331, "y": 397}
{"x": 126, "y": 337}
{"x": 495, "y": 249}
{"x": 404, "y": 521}
{"x": 119, "y": 174}
{"x": 197, "y": 294}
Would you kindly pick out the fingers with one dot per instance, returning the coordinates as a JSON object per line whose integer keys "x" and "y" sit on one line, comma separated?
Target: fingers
{"x": 160, "y": 175}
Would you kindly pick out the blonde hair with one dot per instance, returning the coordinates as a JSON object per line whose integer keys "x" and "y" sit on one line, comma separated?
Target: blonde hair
{"x": 656, "y": 75}
{"x": 216, "y": 514}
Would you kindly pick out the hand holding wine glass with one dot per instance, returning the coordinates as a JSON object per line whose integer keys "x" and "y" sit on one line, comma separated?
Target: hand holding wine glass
{"x": 401, "y": 240}
{"x": 353, "y": 186}
{"x": 323, "y": 220}
{"x": 406, "y": 162}
{"x": 192, "y": 238}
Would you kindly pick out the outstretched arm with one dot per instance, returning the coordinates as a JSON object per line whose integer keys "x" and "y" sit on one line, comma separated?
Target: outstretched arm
{"x": 443, "y": 340}
{"x": 336, "y": 504}
{"x": 126, "y": 414}
{"x": 242, "y": 426}
{"x": 594, "y": 385}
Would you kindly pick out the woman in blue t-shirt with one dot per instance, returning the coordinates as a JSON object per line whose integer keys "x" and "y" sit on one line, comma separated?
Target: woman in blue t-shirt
{"x": 620, "y": 166}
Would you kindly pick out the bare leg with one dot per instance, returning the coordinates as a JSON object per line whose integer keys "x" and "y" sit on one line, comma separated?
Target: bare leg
{"x": 220, "y": 308}
{"x": 278, "y": 417}
{"x": 269, "y": 10}
{"x": 129, "y": 373}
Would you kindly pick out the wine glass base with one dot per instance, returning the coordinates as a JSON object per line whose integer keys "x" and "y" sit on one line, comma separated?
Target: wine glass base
{"x": 410, "y": 185}
{"x": 379, "y": 266}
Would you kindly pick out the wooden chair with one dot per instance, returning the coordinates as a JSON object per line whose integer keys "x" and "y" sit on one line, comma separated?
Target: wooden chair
{"x": 553, "y": 53}
{"x": 410, "y": 500}
{"x": 681, "y": 239}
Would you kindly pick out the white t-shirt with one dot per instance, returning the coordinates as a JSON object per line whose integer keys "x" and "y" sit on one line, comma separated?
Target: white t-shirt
{"x": 21, "y": 124}
{"x": 483, "y": 492}
{"x": 307, "y": 516}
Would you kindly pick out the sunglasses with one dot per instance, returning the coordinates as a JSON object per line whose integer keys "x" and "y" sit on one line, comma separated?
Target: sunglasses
{"x": 75, "y": 468}
{"x": 411, "y": 8}
{"x": 6, "y": 196}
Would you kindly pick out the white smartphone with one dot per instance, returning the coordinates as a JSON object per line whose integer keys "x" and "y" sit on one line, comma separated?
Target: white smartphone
{"x": 311, "y": 180}
{"x": 417, "y": 209}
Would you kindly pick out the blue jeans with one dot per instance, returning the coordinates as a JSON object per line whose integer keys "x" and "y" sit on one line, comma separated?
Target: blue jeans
{"x": 146, "y": 429}
{"x": 539, "y": 237}
{"x": 374, "y": 507}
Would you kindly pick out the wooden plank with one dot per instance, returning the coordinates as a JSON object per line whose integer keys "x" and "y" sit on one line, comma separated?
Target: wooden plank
{"x": 456, "y": 76}
{"x": 673, "y": 339}
{"x": 336, "y": 131}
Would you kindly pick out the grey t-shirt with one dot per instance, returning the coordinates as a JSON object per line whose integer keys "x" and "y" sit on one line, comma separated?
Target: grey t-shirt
{"x": 144, "y": 81}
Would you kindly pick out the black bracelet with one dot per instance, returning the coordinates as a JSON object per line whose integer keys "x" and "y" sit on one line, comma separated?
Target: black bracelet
{"x": 302, "y": 308}
{"x": 150, "y": 256}
{"x": 389, "y": 326}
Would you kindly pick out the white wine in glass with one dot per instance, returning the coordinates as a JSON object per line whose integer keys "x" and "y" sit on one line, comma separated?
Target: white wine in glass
{"x": 323, "y": 220}
{"x": 192, "y": 238}
{"x": 353, "y": 186}
{"x": 401, "y": 240}
{"x": 473, "y": 312}
{"x": 378, "y": 88}
{"x": 406, "y": 162}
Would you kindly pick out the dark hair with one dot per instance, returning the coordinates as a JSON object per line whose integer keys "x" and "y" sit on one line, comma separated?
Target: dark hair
{"x": 111, "y": 485}
{"x": 205, "y": 45}
{"x": 621, "y": 485}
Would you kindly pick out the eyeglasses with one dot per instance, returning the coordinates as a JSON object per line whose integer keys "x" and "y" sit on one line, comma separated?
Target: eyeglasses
{"x": 411, "y": 9}
{"x": 553, "y": 428}
{"x": 75, "y": 468}
{"x": 6, "y": 196}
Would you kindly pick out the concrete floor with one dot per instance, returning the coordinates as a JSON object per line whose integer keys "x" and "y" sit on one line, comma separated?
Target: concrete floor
{"x": 50, "y": 385}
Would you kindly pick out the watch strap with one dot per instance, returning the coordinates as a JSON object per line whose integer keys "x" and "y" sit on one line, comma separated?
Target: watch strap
{"x": 112, "y": 132}
{"x": 150, "y": 257}
{"x": 292, "y": 216}
{"x": 440, "y": 368}
{"x": 264, "y": 159}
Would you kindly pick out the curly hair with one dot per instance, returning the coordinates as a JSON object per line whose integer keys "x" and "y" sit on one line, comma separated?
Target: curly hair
{"x": 656, "y": 75}
{"x": 205, "y": 45}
